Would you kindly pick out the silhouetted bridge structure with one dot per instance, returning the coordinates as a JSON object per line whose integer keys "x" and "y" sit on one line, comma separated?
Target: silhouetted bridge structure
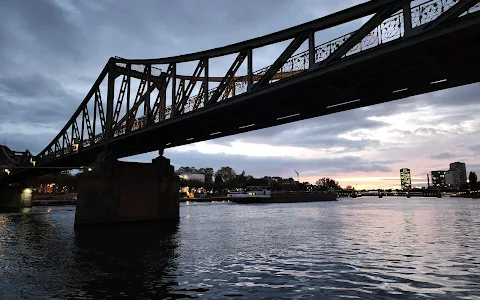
{"x": 142, "y": 105}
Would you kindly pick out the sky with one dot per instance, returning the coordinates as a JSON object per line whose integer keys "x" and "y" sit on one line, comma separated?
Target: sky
{"x": 51, "y": 52}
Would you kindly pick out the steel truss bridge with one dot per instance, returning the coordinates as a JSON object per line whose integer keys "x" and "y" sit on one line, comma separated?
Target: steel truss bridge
{"x": 141, "y": 105}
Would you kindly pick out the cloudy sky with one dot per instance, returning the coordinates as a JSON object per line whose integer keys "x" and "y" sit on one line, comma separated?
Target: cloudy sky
{"x": 51, "y": 52}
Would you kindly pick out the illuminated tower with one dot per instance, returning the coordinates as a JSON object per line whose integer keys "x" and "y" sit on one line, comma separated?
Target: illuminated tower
{"x": 405, "y": 179}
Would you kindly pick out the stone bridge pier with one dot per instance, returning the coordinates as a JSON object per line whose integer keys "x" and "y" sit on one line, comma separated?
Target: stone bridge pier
{"x": 116, "y": 191}
{"x": 14, "y": 197}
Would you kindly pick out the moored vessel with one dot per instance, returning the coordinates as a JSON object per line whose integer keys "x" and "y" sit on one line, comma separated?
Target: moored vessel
{"x": 259, "y": 194}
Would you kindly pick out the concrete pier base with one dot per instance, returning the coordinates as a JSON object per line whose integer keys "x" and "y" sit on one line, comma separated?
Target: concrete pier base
{"x": 15, "y": 197}
{"x": 117, "y": 191}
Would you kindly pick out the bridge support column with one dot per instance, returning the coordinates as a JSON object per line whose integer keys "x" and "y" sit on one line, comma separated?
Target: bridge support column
{"x": 14, "y": 197}
{"x": 116, "y": 191}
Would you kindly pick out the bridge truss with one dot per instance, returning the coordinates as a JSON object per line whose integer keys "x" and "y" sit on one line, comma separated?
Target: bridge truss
{"x": 135, "y": 95}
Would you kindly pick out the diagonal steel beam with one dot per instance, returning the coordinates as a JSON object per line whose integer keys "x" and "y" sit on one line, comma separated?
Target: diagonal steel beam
{"x": 99, "y": 104}
{"x": 161, "y": 87}
{"x": 136, "y": 105}
{"x": 86, "y": 118}
{"x": 451, "y": 13}
{"x": 358, "y": 35}
{"x": 121, "y": 96}
{"x": 281, "y": 60}
{"x": 179, "y": 94}
{"x": 191, "y": 84}
{"x": 75, "y": 131}
{"x": 229, "y": 77}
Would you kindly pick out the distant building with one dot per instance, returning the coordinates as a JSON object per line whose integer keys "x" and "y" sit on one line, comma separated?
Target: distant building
{"x": 452, "y": 179}
{"x": 438, "y": 178}
{"x": 192, "y": 176}
{"x": 459, "y": 173}
{"x": 405, "y": 179}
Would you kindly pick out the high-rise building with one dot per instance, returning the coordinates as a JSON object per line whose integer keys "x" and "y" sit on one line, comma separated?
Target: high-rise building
{"x": 460, "y": 177}
{"x": 438, "y": 178}
{"x": 405, "y": 179}
{"x": 452, "y": 179}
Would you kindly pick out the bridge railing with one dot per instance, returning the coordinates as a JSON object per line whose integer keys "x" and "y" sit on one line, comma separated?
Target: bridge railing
{"x": 110, "y": 110}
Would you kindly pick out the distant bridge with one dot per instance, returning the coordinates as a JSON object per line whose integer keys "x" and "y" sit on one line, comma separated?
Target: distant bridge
{"x": 141, "y": 105}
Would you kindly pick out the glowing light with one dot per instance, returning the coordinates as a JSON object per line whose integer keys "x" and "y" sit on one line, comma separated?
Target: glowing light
{"x": 89, "y": 169}
{"x": 7, "y": 171}
{"x": 290, "y": 116}
{"x": 246, "y": 126}
{"x": 75, "y": 146}
{"x": 344, "y": 103}
{"x": 400, "y": 90}
{"x": 438, "y": 81}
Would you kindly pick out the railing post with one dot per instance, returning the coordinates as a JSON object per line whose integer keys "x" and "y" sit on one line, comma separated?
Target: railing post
{"x": 249, "y": 71}
{"x": 311, "y": 49}
{"x": 174, "y": 90}
{"x": 110, "y": 100}
{"x": 129, "y": 66}
{"x": 83, "y": 129}
{"x": 146, "y": 103}
{"x": 94, "y": 129}
{"x": 407, "y": 19}
{"x": 205, "y": 82}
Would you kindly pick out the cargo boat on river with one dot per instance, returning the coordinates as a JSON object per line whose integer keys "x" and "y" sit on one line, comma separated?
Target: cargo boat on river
{"x": 260, "y": 194}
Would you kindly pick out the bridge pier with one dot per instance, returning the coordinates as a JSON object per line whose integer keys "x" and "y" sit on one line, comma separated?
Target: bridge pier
{"x": 14, "y": 197}
{"x": 115, "y": 191}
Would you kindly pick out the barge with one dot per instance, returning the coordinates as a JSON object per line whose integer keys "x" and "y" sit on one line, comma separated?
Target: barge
{"x": 259, "y": 194}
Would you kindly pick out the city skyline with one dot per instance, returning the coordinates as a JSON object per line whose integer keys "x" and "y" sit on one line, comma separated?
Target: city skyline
{"x": 364, "y": 147}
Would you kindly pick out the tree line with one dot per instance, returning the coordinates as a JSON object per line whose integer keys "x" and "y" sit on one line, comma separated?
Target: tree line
{"x": 227, "y": 178}
{"x": 473, "y": 181}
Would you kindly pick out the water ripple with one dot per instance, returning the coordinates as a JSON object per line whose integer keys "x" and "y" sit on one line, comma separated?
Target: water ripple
{"x": 351, "y": 249}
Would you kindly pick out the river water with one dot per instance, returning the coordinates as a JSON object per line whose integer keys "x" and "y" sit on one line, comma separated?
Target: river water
{"x": 367, "y": 248}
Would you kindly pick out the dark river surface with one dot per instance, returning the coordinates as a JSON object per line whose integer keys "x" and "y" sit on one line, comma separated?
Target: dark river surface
{"x": 367, "y": 248}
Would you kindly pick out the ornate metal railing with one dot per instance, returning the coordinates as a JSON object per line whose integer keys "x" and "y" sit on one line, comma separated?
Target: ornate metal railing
{"x": 100, "y": 118}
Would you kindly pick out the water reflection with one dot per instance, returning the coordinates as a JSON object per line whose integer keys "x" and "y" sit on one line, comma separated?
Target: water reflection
{"x": 134, "y": 260}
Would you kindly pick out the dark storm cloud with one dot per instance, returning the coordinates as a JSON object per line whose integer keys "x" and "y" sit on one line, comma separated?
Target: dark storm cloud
{"x": 33, "y": 142}
{"x": 31, "y": 86}
{"x": 35, "y": 98}
{"x": 37, "y": 31}
{"x": 443, "y": 155}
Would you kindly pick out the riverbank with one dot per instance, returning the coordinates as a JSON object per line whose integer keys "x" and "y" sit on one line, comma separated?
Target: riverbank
{"x": 54, "y": 199}
{"x": 209, "y": 199}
